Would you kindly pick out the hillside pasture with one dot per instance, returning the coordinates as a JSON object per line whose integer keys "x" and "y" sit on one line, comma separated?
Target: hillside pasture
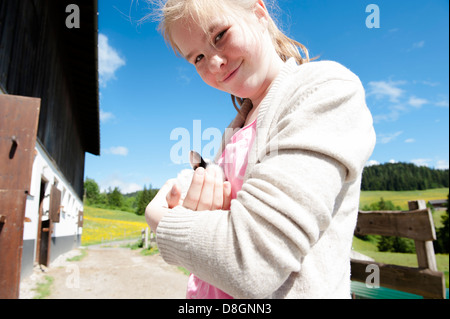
{"x": 102, "y": 225}
{"x": 401, "y": 198}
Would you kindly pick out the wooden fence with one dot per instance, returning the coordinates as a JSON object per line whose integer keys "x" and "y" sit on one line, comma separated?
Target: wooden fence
{"x": 417, "y": 224}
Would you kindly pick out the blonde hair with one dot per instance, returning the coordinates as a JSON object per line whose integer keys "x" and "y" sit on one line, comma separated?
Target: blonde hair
{"x": 201, "y": 11}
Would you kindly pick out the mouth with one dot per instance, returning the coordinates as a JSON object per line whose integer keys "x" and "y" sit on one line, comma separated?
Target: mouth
{"x": 230, "y": 75}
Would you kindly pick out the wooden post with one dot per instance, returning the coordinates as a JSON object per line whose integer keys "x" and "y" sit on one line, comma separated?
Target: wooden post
{"x": 426, "y": 257}
{"x": 146, "y": 238}
{"x": 152, "y": 237}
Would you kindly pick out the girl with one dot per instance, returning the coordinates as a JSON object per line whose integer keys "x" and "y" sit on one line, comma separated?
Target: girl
{"x": 295, "y": 165}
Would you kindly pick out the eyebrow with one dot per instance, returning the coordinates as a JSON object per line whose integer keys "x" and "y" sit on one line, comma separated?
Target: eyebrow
{"x": 210, "y": 31}
{"x": 188, "y": 57}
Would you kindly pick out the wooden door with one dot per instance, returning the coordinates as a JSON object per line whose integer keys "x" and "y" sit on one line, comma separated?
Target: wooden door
{"x": 19, "y": 118}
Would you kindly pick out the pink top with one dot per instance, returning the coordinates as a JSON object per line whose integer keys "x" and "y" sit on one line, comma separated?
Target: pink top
{"x": 233, "y": 161}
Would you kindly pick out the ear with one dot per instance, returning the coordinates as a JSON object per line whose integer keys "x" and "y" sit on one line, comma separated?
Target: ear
{"x": 261, "y": 11}
{"x": 261, "y": 4}
{"x": 196, "y": 160}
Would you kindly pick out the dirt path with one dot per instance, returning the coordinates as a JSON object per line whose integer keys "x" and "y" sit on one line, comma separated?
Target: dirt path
{"x": 109, "y": 272}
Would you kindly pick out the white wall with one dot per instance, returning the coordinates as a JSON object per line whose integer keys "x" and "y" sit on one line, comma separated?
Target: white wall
{"x": 45, "y": 169}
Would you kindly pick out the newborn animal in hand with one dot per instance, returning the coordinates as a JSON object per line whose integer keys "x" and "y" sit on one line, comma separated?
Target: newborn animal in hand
{"x": 184, "y": 178}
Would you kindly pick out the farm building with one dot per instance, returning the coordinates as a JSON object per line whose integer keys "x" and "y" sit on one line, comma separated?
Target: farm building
{"x": 49, "y": 119}
{"x": 438, "y": 204}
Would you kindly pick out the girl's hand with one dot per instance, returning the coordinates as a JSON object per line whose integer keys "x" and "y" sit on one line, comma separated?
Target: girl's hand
{"x": 159, "y": 206}
{"x": 208, "y": 191}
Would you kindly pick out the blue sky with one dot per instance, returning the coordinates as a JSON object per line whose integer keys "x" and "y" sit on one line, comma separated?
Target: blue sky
{"x": 152, "y": 102}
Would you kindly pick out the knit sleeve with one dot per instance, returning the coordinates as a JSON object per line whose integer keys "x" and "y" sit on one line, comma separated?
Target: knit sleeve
{"x": 315, "y": 144}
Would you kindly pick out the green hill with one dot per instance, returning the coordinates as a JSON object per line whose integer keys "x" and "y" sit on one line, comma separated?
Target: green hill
{"x": 401, "y": 198}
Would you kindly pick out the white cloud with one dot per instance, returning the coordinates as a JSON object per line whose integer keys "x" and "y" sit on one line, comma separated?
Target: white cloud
{"x": 410, "y": 140}
{"x": 442, "y": 103}
{"x": 395, "y": 101}
{"x": 372, "y": 163}
{"x": 387, "y": 138}
{"x": 106, "y": 116}
{"x": 393, "y": 115}
{"x": 183, "y": 76}
{"x": 383, "y": 89}
{"x": 442, "y": 164}
{"x": 418, "y": 45}
{"x": 417, "y": 102}
{"x": 429, "y": 83}
{"x": 421, "y": 161}
{"x": 117, "y": 150}
{"x": 109, "y": 60}
{"x": 124, "y": 187}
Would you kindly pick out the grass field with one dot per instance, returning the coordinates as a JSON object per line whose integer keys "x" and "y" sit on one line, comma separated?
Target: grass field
{"x": 401, "y": 198}
{"x": 101, "y": 225}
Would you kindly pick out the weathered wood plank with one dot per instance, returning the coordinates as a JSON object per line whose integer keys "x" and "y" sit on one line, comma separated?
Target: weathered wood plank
{"x": 426, "y": 258}
{"x": 18, "y": 126}
{"x": 410, "y": 224}
{"x": 423, "y": 282}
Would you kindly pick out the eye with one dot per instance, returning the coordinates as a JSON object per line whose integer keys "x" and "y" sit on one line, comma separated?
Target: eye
{"x": 219, "y": 36}
{"x": 198, "y": 58}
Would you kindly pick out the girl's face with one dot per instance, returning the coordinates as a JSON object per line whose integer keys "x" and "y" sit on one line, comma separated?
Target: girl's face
{"x": 236, "y": 55}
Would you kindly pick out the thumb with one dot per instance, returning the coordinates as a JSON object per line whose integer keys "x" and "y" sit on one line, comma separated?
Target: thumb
{"x": 174, "y": 196}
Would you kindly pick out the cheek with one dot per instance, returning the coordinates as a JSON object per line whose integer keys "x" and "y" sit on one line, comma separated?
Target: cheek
{"x": 249, "y": 45}
{"x": 239, "y": 46}
{"x": 207, "y": 78}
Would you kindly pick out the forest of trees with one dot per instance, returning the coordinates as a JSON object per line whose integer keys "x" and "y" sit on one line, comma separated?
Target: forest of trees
{"x": 114, "y": 199}
{"x": 402, "y": 177}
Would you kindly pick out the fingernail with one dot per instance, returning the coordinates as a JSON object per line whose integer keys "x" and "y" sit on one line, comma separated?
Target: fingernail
{"x": 200, "y": 171}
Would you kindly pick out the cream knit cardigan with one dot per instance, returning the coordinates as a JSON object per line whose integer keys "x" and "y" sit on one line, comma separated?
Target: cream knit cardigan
{"x": 289, "y": 232}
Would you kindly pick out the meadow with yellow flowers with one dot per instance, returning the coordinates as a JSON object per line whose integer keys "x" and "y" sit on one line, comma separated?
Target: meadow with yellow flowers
{"x": 103, "y": 225}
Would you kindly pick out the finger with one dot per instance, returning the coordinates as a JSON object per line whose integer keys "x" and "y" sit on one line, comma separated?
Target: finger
{"x": 161, "y": 197}
{"x": 217, "y": 202}
{"x": 226, "y": 195}
{"x": 193, "y": 194}
{"x": 207, "y": 194}
{"x": 174, "y": 196}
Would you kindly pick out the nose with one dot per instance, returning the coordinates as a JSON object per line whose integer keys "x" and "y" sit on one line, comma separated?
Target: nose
{"x": 215, "y": 63}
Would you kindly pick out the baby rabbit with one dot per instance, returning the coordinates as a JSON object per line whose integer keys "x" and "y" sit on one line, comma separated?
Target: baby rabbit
{"x": 184, "y": 178}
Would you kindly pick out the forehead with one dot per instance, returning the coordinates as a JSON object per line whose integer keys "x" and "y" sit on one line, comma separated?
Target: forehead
{"x": 188, "y": 32}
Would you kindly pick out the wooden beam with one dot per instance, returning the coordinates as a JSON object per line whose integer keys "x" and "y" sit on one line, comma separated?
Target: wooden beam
{"x": 426, "y": 257}
{"x": 409, "y": 224}
{"x": 423, "y": 282}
